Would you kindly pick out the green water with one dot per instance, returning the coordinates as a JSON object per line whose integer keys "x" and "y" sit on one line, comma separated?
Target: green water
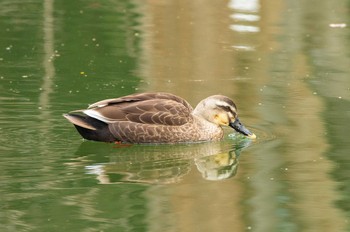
{"x": 286, "y": 65}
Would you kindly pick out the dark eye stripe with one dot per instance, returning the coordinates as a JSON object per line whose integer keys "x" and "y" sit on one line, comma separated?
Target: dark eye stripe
{"x": 228, "y": 109}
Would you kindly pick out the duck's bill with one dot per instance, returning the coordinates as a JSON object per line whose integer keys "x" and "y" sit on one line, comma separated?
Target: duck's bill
{"x": 240, "y": 128}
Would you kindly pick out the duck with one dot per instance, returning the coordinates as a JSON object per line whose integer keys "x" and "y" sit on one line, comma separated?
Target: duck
{"x": 157, "y": 117}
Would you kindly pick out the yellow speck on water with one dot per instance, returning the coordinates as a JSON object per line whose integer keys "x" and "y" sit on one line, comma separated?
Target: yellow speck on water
{"x": 83, "y": 74}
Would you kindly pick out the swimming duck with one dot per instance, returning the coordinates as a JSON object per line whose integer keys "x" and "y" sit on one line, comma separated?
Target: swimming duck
{"x": 157, "y": 118}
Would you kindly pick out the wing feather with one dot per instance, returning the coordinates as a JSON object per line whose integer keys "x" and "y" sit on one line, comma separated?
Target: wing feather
{"x": 146, "y": 108}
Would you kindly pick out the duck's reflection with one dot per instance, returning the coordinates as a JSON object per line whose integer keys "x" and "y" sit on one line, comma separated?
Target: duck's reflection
{"x": 163, "y": 164}
{"x": 218, "y": 167}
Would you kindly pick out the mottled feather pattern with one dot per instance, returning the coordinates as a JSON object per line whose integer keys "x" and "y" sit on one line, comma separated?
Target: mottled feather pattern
{"x": 139, "y": 133}
{"x": 154, "y": 117}
{"x": 152, "y": 111}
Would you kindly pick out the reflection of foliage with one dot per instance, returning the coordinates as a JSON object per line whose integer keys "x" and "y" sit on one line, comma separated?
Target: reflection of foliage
{"x": 163, "y": 163}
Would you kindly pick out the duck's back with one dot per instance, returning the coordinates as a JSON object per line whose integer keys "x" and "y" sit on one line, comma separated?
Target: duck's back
{"x": 147, "y": 118}
{"x": 139, "y": 118}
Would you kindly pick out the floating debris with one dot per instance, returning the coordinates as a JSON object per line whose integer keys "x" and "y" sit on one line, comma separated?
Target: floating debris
{"x": 83, "y": 74}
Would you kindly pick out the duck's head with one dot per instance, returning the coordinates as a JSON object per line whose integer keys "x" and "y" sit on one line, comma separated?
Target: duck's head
{"x": 221, "y": 111}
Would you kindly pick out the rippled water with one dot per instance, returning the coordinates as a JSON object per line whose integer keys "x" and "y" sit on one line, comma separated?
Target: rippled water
{"x": 284, "y": 63}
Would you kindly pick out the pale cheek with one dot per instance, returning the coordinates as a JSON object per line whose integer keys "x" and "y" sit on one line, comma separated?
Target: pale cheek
{"x": 216, "y": 120}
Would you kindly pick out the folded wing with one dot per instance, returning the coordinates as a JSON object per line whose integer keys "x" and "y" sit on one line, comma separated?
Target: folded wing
{"x": 147, "y": 108}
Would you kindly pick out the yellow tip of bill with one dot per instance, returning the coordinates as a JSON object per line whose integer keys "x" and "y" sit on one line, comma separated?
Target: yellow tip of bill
{"x": 252, "y": 136}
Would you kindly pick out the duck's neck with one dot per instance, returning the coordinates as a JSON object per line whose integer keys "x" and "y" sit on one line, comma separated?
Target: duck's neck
{"x": 200, "y": 112}
{"x": 208, "y": 130}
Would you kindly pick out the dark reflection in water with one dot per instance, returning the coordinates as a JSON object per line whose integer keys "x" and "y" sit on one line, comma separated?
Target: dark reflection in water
{"x": 163, "y": 164}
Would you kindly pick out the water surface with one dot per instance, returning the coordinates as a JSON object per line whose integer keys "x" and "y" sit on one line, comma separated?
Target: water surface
{"x": 285, "y": 64}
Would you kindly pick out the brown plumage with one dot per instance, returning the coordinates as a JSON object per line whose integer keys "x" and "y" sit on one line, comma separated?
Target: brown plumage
{"x": 156, "y": 118}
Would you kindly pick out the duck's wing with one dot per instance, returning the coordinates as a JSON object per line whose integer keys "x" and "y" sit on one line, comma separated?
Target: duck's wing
{"x": 146, "y": 108}
{"x": 139, "y": 97}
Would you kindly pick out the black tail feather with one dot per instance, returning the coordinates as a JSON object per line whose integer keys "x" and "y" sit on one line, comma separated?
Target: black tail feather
{"x": 101, "y": 132}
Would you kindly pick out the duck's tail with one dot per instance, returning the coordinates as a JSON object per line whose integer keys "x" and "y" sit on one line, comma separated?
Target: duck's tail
{"x": 90, "y": 128}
